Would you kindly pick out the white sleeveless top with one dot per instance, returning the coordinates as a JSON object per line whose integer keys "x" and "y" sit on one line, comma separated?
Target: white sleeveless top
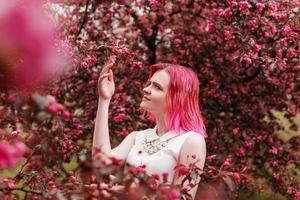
{"x": 163, "y": 160}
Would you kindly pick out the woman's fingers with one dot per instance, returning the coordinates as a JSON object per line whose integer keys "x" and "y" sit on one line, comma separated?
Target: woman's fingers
{"x": 102, "y": 77}
{"x": 111, "y": 75}
{"x": 106, "y": 68}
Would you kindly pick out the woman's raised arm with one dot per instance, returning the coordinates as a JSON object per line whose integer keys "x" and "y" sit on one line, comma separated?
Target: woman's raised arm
{"x": 101, "y": 139}
{"x": 106, "y": 88}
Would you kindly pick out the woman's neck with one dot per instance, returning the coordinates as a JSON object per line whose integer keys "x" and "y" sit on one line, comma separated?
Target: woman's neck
{"x": 161, "y": 128}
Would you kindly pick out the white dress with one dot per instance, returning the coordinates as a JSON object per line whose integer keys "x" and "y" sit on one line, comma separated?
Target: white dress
{"x": 163, "y": 160}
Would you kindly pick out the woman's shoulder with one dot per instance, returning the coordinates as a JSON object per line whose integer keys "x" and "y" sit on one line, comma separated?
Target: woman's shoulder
{"x": 193, "y": 136}
{"x": 194, "y": 139}
{"x": 142, "y": 133}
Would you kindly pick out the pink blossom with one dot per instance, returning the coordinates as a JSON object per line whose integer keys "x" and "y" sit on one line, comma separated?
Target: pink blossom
{"x": 236, "y": 177}
{"x": 54, "y": 108}
{"x": 216, "y": 12}
{"x": 252, "y": 24}
{"x": 273, "y": 150}
{"x": 226, "y": 164}
{"x": 252, "y": 42}
{"x": 275, "y": 164}
{"x": 228, "y": 35}
{"x": 273, "y": 6}
{"x": 177, "y": 41}
{"x": 181, "y": 170}
{"x": 210, "y": 26}
{"x": 233, "y": 3}
{"x": 247, "y": 60}
{"x": 286, "y": 30}
{"x": 244, "y": 6}
{"x": 124, "y": 133}
{"x": 51, "y": 185}
{"x": 267, "y": 34}
{"x": 210, "y": 158}
{"x": 172, "y": 195}
{"x": 91, "y": 82}
{"x": 66, "y": 115}
{"x": 153, "y": 4}
{"x": 289, "y": 190}
{"x": 15, "y": 133}
{"x": 248, "y": 144}
{"x": 11, "y": 186}
{"x": 236, "y": 131}
{"x": 260, "y": 6}
{"x": 89, "y": 61}
{"x": 11, "y": 154}
{"x": 116, "y": 161}
{"x": 279, "y": 53}
{"x": 119, "y": 118}
{"x": 11, "y": 99}
{"x": 227, "y": 13}
{"x": 140, "y": 169}
{"x": 297, "y": 195}
{"x": 258, "y": 48}
{"x": 220, "y": 60}
{"x": 155, "y": 176}
{"x": 165, "y": 176}
{"x": 240, "y": 152}
{"x": 293, "y": 109}
{"x": 276, "y": 176}
{"x": 297, "y": 67}
{"x": 291, "y": 53}
{"x": 137, "y": 65}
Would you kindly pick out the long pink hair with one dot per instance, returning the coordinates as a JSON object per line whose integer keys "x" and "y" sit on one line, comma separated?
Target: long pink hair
{"x": 183, "y": 112}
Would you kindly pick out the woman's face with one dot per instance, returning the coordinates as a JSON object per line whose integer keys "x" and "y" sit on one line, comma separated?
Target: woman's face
{"x": 154, "y": 99}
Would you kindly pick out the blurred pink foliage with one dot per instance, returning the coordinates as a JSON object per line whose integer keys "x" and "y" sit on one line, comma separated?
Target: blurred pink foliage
{"x": 29, "y": 52}
{"x": 11, "y": 154}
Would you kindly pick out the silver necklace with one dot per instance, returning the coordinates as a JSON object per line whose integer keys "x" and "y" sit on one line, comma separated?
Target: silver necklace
{"x": 150, "y": 146}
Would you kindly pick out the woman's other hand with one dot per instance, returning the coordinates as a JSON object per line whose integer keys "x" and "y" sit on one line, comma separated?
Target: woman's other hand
{"x": 106, "y": 84}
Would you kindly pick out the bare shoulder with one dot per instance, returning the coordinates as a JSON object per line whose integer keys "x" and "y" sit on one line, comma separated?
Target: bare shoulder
{"x": 194, "y": 144}
{"x": 137, "y": 133}
{"x": 195, "y": 139}
{"x": 131, "y": 136}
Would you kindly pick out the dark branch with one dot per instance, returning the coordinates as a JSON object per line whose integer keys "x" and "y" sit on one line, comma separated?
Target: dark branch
{"x": 85, "y": 17}
{"x": 249, "y": 78}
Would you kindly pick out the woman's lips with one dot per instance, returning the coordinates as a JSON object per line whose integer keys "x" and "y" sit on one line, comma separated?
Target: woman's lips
{"x": 145, "y": 98}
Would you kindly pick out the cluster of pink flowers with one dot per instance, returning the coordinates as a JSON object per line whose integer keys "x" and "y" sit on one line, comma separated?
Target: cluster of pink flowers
{"x": 55, "y": 108}
{"x": 10, "y": 154}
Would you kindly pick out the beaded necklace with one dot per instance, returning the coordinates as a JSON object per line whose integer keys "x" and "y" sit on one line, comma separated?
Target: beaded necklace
{"x": 150, "y": 146}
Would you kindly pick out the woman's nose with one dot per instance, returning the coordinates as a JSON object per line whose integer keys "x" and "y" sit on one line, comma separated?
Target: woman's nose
{"x": 146, "y": 90}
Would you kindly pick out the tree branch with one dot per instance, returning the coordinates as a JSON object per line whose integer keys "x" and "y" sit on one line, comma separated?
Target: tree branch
{"x": 85, "y": 17}
{"x": 249, "y": 78}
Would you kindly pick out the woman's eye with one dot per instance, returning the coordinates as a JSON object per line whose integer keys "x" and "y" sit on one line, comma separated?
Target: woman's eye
{"x": 157, "y": 87}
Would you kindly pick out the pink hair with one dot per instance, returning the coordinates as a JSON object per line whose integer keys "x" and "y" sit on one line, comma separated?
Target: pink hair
{"x": 183, "y": 112}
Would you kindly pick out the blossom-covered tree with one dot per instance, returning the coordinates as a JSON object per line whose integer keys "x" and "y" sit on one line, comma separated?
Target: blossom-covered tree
{"x": 246, "y": 55}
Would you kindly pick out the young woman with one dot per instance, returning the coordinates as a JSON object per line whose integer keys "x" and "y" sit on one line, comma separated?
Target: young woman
{"x": 171, "y": 99}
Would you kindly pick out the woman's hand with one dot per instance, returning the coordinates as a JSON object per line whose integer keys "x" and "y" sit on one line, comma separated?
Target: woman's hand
{"x": 106, "y": 84}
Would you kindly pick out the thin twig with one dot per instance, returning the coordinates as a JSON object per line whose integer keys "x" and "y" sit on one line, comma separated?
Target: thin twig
{"x": 85, "y": 17}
